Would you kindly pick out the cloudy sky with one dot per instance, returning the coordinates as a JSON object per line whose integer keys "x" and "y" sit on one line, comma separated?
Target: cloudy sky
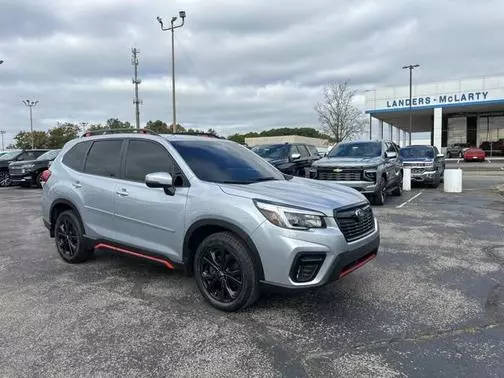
{"x": 241, "y": 65}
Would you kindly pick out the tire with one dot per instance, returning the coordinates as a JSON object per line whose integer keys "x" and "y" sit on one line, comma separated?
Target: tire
{"x": 381, "y": 194}
{"x": 398, "y": 189}
{"x": 4, "y": 179}
{"x": 68, "y": 235}
{"x": 435, "y": 183}
{"x": 225, "y": 272}
{"x": 37, "y": 180}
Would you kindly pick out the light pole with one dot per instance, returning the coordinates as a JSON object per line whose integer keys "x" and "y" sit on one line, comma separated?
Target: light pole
{"x": 31, "y": 104}
{"x": 2, "y": 132}
{"x": 411, "y": 67}
{"x": 182, "y": 15}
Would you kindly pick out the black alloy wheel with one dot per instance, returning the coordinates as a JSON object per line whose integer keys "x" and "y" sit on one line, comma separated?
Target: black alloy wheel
{"x": 225, "y": 272}
{"x": 221, "y": 275}
{"x": 68, "y": 235}
{"x": 67, "y": 240}
{"x": 5, "y": 179}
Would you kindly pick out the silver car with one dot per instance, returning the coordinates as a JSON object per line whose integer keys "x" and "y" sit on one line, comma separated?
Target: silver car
{"x": 209, "y": 206}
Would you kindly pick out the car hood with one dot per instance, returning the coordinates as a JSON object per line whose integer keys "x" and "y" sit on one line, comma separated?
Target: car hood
{"x": 23, "y": 162}
{"x": 347, "y": 162}
{"x": 301, "y": 192}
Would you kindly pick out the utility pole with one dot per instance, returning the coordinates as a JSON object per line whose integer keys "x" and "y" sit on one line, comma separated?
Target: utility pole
{"x": 2, "y": 132}
{"x": 31, "y": 104}
{"x": 182, "y": 15}
{"x": 411, "y": 67}
{"x": 136, "y": 81}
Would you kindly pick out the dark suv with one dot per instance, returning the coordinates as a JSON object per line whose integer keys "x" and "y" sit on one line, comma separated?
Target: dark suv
{"x": 28, "y": 173}
{"x": 289, "y": 158}
{"x": 14, "y": 156}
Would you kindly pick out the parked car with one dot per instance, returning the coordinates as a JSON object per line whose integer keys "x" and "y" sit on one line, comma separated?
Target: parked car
{"x": 474, "y": 154}
{"x": 291, "y": 159}
{"x": 371, "y": 167}
{"x": 457, "y": 149}
{"x": 210, "y": 206}
{"x": 13, "y": 156}
{"x": 496, "y": 147}
{"x": 426, "y": 163}
{"x": 29, "y": 172}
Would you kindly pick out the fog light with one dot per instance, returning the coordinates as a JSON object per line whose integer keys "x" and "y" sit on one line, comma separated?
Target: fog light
{"x": 306, "y": 267}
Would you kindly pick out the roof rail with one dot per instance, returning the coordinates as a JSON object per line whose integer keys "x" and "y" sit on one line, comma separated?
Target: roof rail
{"x": 118, "y": 131}
{"x": 197, "y": 134}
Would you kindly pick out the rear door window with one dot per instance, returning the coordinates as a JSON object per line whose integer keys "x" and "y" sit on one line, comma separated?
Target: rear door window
{"x": 75, "y": 157}
{"x": 313, "y": 150}
{"x": 104, "y": 158}
{"x": 144, "y": 157}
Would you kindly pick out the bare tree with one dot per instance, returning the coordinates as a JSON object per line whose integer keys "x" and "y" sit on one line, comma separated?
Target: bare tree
{"x": 337, "y": 114}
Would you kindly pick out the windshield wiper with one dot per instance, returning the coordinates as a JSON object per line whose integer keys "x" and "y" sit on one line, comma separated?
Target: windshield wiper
{"x": 258, "y": 179}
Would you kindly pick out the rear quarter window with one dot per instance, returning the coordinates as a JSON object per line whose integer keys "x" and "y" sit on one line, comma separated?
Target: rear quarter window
{"x": 75, "y": 157}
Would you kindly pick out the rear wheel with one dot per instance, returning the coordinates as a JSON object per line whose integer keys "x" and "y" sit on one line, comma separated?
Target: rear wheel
{"x": 225, "y": 272}
{"x": 68, "y": 234}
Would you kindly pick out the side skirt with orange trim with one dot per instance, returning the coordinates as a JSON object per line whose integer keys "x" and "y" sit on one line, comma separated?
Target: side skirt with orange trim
{"x": 114, "y": 248}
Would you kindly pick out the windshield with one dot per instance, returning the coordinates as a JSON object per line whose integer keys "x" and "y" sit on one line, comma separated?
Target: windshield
{"x": 225, "y": 162}
{"x": 358, "y": 149}
{"x": 49, "y": 155}
{"x": 273, "y": 152}
{"x": 10, "y": 155}
{"x": 417, "y": 152}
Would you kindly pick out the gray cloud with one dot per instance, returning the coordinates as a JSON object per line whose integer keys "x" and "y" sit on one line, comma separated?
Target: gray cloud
{"x": 241, "y": 65}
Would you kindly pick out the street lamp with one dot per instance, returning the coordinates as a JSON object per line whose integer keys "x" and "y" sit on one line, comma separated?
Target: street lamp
{"x": 31, "y": 104}
{"x": 411, "y": 67}
{"x": 182, "y": 15}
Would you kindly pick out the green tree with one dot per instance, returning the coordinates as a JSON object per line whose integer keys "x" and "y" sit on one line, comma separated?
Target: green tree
{"x": 62, "y": 133}
{"x": 23, "y": 140}
{"x": 161, "y": 127}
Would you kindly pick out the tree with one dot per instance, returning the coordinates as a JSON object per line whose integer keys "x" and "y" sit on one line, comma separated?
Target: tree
{"x": 114, "y": 123}
{"x": 23, "y": 140}
{"x": 161, "y": 127}
{"x": 62, "y": 133}
{"x": 337, "y": 114}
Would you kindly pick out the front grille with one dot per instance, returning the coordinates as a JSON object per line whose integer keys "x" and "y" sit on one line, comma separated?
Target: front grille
{"x": 406, "y": 164}
{"x": 342, "y": 175}
{"x": 417, "y": 170}
{"x": 355, "y": 222}
{"x": 16, "y": 171}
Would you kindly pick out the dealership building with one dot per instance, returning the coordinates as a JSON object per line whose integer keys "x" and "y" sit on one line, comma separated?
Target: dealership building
{"x": 459, "y": 111}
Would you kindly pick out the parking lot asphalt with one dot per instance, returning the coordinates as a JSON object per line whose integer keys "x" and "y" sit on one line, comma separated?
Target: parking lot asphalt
{"x": 430, "y": 304}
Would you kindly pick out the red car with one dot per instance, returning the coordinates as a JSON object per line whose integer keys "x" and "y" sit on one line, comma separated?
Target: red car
{"x": 474, "y": 154}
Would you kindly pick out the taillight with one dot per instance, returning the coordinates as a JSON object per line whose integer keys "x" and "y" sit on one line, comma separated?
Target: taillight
{"x": 45, "y": 175}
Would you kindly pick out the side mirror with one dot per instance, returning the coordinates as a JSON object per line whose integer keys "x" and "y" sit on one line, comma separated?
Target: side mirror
{"x": 160, "y": 180}
{"x": 390, "y": 155}
{"x": 295, "y": 156}
{"x": 440, "y": 156}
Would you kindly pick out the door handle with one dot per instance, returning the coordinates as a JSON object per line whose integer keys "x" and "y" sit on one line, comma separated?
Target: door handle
{"x": 77, "y": 185}
{"x": 122, "y": 192}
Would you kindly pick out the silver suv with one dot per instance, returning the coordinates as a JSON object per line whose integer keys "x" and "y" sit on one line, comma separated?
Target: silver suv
{"x": 209, "y": 206}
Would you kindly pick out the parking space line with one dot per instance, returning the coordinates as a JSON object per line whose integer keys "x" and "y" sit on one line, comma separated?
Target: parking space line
{"x": 408, "y": 201}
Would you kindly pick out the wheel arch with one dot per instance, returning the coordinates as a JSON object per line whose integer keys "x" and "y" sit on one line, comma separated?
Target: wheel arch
{"x": 202, "y": 228}
{"x": 57, "y": 207}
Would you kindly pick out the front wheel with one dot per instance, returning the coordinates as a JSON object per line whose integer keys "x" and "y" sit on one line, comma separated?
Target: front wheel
{"x": 5, "y": 179}
{"x": 225, "y": 272}
{"x": 398, "y": 189}
{"x": 381, "y": 193}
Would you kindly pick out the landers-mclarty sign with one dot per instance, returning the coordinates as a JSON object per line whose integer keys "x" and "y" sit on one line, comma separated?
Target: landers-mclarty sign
{"x": 439, "y": 100}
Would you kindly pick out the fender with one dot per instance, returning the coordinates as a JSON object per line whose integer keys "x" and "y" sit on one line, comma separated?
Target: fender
{"x": 62, "y": 201}
{"x": 188, "y": 254}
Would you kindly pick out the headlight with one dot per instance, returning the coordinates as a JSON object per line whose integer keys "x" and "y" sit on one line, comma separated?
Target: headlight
{"x": 370, "y": 174}
{"x": 290, "y": 217}
{"x": 27, "y": 166}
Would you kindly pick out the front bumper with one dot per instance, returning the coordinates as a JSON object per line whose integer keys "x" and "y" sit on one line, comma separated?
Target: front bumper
{"x": 425, "y": 176}
{"x": 365, "y": 187}
{"x": 20, "y": 179}
{"x": 279, "y": 248}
